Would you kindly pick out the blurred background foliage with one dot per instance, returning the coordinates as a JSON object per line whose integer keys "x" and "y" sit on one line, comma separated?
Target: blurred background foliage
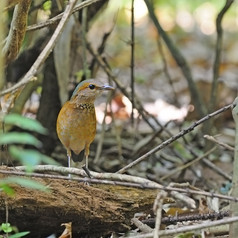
{"x": 159, "y": 83}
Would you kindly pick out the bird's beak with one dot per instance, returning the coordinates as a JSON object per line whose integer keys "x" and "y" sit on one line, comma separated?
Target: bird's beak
{"x": 107, "y": 87}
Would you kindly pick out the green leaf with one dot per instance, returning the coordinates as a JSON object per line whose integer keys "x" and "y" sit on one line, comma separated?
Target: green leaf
{"x": 7, "y": 189}
{"x": 47, "y": 5}
{"x": 30, "y": 158}
{"x": 19, "y": 234}
{"x": 24, "y": 123}
{"x": 20, "y": 138}
{"x": 25, "y": 182}
{"x": 6, "y": 227}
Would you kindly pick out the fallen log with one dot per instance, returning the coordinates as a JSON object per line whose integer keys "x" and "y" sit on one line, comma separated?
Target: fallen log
{"x": 94, "y": 210}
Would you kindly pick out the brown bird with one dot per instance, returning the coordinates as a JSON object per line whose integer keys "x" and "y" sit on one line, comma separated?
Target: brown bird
{"x": 76, "y": 122}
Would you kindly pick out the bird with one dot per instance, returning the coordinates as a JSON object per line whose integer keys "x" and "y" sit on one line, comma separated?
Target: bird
{"x": 76, "y": 121}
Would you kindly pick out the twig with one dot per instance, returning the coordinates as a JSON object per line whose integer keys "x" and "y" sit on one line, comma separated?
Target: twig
{"x": 7, "y": 213}
{"x": 84, "y": 42}
{"x": 174, "y": 138}
{"x": 212, "y": 166}
{"x": 98, "y": 178}
{"x": 108, "y": 71}
{"x": 102, "y": 134}
{"x": 17, "y": 31}
{"x": 184, "y": 229}
{"x": 95, "y": 175}
{"x": 234, "y": 206}
{"x": 157, "y": 208}
{"x": 166, "y": 71}
{"x": 180, "y": 60}
{"x": 3, "y": 18}
{"x": 10, "y": 4}
{"x": 149, "y": 144}
{"x": 132, "y": 61}
{"x": 58, "y": 17}
{"x": 188, "y": 217}
{"x": 46, "y": 51}
{"x": 211, "y": 138}
{"x": 141, "y": 226}
{"x": 216, "y": 65}
{"x": 180, "y": 168}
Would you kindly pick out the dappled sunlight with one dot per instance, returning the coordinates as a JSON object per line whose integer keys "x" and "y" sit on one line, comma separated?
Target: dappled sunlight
{"x": 205, "y": 16}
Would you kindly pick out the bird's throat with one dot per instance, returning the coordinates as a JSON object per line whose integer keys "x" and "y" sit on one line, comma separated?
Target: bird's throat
{"x": 85, "y": 106}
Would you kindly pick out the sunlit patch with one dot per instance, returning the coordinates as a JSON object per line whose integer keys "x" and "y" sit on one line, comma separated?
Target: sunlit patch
{"x": 185, "y": 20}
{"x": 140, "y": 10}
{"x": 205, "y": 16}
{"x": 166, "y": 19}
{"x": 166, "y": 112}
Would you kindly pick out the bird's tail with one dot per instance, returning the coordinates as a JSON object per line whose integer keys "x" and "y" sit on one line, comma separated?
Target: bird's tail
{"x": 77, "y": 158}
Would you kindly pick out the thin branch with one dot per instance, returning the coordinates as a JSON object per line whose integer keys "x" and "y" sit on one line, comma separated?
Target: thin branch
{"x": 174, "y": 138}
{"x": 184, "y": 229}
{"x": 11, "y": 3}
{"x": 3, "y": 18}
{"x": 100, "y": 178}
{"x": 46, "y": 51}
{"x": 132, "y": 61}
{"x": 195, "y": 217}
{"x": 234, "y": 192}
{"x": 84, "y": 42}
{"x": 58, "y": 17}
{"x": 216, "y": 65}
{"x": 211, "y": 138}
{"x": 137, "y": 102}
{"x": 141, "y": 226}
{"x": 180, "y": 60}
{"x": 95, "y": 175}
{"x": 166, "y": 71}
{"x": 17, "y": 31}
{"x": 158, "y": 208}
{"x": 188, "y": 164}
{"x": 217, "y": 169}
{"x": 188, "y": 217}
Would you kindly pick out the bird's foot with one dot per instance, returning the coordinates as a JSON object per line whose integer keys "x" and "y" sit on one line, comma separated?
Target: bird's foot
{"x": 87, "y": 171}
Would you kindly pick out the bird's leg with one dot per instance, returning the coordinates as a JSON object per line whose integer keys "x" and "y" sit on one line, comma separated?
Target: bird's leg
{"x": 86, "y": 160}
{"x": 85, "y": 167}
{"x": 69, "y": 160}
{"x": 86, "y": 152}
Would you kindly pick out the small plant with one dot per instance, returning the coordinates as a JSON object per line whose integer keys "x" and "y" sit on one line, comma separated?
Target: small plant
{"x": 6, "y": 228}
{"x": 27, "y": 157}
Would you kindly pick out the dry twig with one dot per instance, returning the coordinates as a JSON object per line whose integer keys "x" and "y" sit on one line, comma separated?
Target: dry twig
{"x": 174, "y": 138}
{"x": 204, "y": 225}
{"x": 17, "y": 31}
{"x": 58, "y": 17}
{"x": 48, "y": 48}
{"x": 211, "y": 138}
{"x": 109, "y": 178}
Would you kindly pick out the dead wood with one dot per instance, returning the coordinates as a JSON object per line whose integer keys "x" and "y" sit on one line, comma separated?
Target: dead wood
{"x": 94, "y": 210}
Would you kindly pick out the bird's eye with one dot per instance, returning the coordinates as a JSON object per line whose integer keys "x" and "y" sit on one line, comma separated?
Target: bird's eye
{"x": 91, "y": 86}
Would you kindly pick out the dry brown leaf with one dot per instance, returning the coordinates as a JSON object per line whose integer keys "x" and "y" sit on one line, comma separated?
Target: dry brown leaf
{"x": 67, "y": 233}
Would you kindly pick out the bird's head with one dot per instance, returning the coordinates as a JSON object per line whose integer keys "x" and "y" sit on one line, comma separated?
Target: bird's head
{"x": 88, "y": 90}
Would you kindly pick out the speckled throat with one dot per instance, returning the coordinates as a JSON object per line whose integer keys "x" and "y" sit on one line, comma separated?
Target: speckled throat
{"x": 85, "y": 106}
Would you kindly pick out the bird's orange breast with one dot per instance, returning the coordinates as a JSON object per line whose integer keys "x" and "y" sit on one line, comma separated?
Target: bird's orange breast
{"x": 76, "y": 125}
